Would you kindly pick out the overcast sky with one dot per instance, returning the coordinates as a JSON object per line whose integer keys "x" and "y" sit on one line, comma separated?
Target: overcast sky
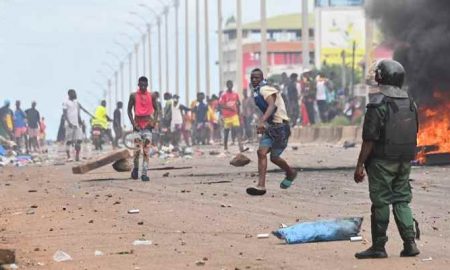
{"x": 49, "y": 46}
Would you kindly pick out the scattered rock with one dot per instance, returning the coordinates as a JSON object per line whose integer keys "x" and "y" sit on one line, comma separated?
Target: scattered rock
{"x": 140, "y": 223}
{"x": 7, "y": 256}
{"x": 32, "y": 190}
{"x": 240, "y": 160}
{"x": 166, "y": 174}
{"x": 61, "y": 256}
{"x": 200, "y": 263}
{"x": 122, "y": 165}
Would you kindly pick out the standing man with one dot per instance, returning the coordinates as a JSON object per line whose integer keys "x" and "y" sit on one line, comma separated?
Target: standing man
{"x": 248, "y": 111}
{"x": 229, "y": 104}
{"x": 142, "y": 113}
{"x": 117, "y": 124}
{"x": 7, "y": 121}
{"x": 389, "y": 144}
{"x": 33, "y": 120}
{"x": 20, "y": 127}
{"x": 275, "y": 130}
{"x": 72, "y": 119}
{"x": 292, "y": 94}
{"x": 321, "y": 96}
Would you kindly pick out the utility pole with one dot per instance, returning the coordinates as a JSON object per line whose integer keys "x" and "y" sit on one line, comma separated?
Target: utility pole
{"x": 264, "y": 38}
{"x": 305, "y": 34}
{"x": 136, "y": 51}
{"x": 116, "y": 89}
{"x": 122, "y": 90}
{"x": 130, "y": 59}
{"x": 197, "y": 45}
{"x": 122, "y": 84}
{"x": 159, "y": 55}
{"x": 166, "y": 14}
{"x": 207, "y": 78}
{"x": 177, "y": 60}
{"x": 239, "y": 47}
{"x": 219, "y": 35}
{"x": 186, "y": 52}
{"x": 109, "y": 92}
{"x": 143, "y": 55}
{"x": 149, "y": 33}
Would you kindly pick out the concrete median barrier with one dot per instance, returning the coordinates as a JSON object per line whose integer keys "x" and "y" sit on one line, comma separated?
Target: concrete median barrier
{"x": 326, "y": 134}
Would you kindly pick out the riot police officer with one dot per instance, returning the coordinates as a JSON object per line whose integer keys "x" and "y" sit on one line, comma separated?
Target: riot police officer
{"x": 389, "y": 144}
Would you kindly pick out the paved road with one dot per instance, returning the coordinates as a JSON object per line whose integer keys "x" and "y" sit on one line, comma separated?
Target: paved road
{"x": 203, "y": 214}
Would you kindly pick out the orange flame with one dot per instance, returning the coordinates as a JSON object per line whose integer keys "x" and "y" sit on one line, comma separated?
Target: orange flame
{"x": 435, "y": 126}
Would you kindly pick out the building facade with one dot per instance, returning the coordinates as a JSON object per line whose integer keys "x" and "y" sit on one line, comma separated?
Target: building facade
{"x": 284, "y": 46}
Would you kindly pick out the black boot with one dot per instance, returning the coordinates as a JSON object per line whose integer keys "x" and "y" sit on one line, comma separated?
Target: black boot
{"x": 379, "y": 239}
{"x": 409, "y": 249}
{"x": 372, "y": 253}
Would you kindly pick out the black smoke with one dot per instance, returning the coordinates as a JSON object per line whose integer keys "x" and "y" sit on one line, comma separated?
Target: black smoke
{"x": 421, "y": 31}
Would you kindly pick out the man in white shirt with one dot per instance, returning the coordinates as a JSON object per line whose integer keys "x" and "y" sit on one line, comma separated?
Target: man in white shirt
{"x": 71, "y": 115}
{"x": 321, "y": 96}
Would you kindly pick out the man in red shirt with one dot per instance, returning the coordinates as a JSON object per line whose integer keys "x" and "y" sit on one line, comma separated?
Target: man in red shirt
{"x": 229, "y": 104}
{"x": 145, "y": 112}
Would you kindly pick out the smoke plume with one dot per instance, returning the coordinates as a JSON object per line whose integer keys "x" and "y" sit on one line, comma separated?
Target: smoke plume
{"x": 421, "y": 30}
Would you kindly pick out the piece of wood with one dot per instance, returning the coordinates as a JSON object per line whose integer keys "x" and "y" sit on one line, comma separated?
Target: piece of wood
{"x": 7, "y": 256}
{"x": 101, "y": 161}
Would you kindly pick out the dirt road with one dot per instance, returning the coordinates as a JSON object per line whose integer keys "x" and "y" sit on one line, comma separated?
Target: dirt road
{"x": 201, "y": 218}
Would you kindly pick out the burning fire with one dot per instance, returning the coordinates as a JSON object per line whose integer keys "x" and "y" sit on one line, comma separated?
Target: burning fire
{"x": 434, "y": 129}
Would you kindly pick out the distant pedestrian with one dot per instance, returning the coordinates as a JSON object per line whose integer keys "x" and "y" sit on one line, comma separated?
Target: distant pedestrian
{"x": 321, "y": 96}
{"x": 72, "y": 118}
{"x": 7, "y": 121}
{"x": 117, "y": 124}
{"x": 201, "y": 119}
{"x": 248, "y": 113}
{"x": 230, "y": 107}
{"x": 20, "y": 127}
{"x": 292, "y": 95}
{"x": 33, "y": 120}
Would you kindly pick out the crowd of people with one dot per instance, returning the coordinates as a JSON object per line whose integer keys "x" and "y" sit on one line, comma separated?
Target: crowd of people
{"x": 24, "y": 127}
{"x": 315, "y": 99}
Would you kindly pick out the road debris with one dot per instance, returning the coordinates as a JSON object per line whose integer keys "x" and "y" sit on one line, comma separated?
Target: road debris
{"x": 133, "y": 211}
{"x": 262, "y": 235}
{"x": 240, "y": 160}
{"x": 7, "y": 256}
{"x": 429, "y": 259}
{"x": 98, "y": 253}
{"x": 61, "y": 256}
{"x": 142, "y": 242}
{"x": 356, "y": 238}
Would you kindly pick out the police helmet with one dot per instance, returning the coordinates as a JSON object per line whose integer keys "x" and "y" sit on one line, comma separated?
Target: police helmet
{"x": 389, "y": 72}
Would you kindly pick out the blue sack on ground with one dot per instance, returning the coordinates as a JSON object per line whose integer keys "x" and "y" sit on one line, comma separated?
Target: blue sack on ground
{"x": 319, "y": 231}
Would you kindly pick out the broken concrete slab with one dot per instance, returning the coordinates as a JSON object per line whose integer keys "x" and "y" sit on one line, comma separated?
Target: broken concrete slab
{"x": 101, "y": 161}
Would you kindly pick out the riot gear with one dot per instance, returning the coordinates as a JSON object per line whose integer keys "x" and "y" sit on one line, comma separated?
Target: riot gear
{"x": 389, "y": 72}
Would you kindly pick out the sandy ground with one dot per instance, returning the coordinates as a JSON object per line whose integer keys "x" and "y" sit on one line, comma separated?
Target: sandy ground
{"x": 183, "y": 215}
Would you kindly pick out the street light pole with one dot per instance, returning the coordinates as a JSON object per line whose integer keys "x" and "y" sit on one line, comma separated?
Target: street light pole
{"x": 197, "y": 45}
{"x": 264, "y": 65}
{"x": 305, "y": 34}
{"x": 159, "y": 55}
{"x": 207, "y": 86}
{"x": 166, "y": 14}
{"x": 109, "y": 92}
{"x": 239, "y": 46}
{"x": 186, "y": 52}
{"x": 177, "y": 60}
{"x": 149, "y": 33}
{"x": 143, "y": 55}
{"x": 219, "y": 35}
{"x": 116, "y": 90}
{"x": 136, "y": 51}
{"x": 130, "y": 59}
